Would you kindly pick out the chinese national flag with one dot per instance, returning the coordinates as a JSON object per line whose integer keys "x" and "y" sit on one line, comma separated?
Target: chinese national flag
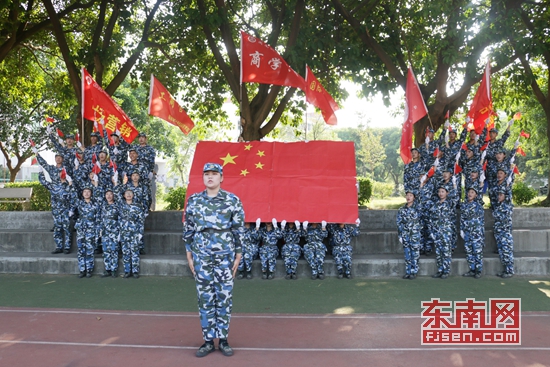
{"x": 164, "y": 106}
{"x": 458, "y": 169}
{"x": 312, "y": 181}
{"x": 97, "y": 105}
{"x": 262, "y": 64}
{"x": 520, "y": 151}
{"x": 415, "y": 109}
{"x": 481, "y": 108}
{"x": 320, "y": 98}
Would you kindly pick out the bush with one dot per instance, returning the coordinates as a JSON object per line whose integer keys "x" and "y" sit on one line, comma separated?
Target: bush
{"x": 40, "y": 199}
{"x": 175, "y": 198}
{"x": 365, "y": 190}
{"x": 522, "y": 194}
{"x": 381, "y": 190}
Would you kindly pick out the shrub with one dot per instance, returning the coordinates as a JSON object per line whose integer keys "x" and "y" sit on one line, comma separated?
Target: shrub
{"x": 365, "y": 190}
{"x": 382, "y": 190}
{"x": 175, "y": 198}
{"x": 522, "y": 194}
{"x": 40, "y": 199}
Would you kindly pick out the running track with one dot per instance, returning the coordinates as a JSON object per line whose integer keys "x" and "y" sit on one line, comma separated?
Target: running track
{"x": 77, "y": 338}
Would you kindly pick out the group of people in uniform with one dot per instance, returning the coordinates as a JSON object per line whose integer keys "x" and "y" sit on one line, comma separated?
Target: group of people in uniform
{"x": 435, "y": 214}
{"x": 106, "y": 195}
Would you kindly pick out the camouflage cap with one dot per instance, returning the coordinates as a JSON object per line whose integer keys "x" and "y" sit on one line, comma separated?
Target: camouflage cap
{"x": 415, "y": 149}
{"x": 500, "y": 150}
{"x": 443, "y": 187}
{"x": 142, "y": 134}
{"x": 57, "y": 154}
{"x": 430, "y": 130}
{"x": 69, "y": 136}
{"x": 96, "y": 134}
{"x": 411, "y": 192}
{"x": 473, "y": 188}
{"x": 493, "y": 130}
{"x": 213, "y": 167}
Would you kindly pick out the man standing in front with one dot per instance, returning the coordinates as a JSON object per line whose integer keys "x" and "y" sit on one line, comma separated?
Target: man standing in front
{"x": 212, "y": 232}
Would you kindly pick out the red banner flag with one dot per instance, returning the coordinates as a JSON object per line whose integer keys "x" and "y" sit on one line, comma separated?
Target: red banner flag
{"x": 34, "y": 161}
{"x": 312, "y": 181}
{"x": 97, "y": 105}
{"x": 520, "y": 151}
{"x": 524, "y": 134}
{"x": 415, "y": 109}
{"x": 63, "y": 174}
{"x": 49, "y": 120}
{"x": 262, "y": 64}
{"x": 516, "y": 170}
{"x": 481, "y": 108}
{"x": 164, "y": 106}
{"x": 60, "y": 133}
{"x": 320, "y": 98}
{"x": 458, "y": 169}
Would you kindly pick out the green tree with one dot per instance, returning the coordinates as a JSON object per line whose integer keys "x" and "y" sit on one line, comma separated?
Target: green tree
{"x": 392, "y": 167}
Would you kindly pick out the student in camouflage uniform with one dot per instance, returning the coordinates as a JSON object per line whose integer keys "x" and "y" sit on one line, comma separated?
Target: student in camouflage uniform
{"x": 213, "y": 233}
{"x": 269, "y": 251}
{"x": 118, "y": 150}
{"x": 87, "y": 227}
{"x": 408, "y": 232}
{"x": 501, "y": 184}
{"x": 291, "y": 250}
{"x": 67, "y": 151}
{"x": 342, "y": 250}
{"x": 425, "y": 202}
{"x": 141, "y": 198}
{"x": 472, "y": 230}
{"x": 251, "y": 240}
{"x": 427, "y": 149}
{"x": 110, "y": 234}
{"x": 314, "y": 249}
{"x": 96, "y": 146}
{"x": 131, "y": 217}
{"x": 502, "y": 212}
{"x": 53, "y": 170}
{"x": 146, "y": 155}
{"x": 61, "y": 197}
{"x": 412, "y": 172}
{"x": 442, "y": 227}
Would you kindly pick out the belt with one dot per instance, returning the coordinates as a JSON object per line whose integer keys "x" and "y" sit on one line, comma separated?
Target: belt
{"x": 212, "y": 230}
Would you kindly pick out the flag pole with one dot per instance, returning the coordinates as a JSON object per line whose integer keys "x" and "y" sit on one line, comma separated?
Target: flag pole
{"x": 82, "y": 104}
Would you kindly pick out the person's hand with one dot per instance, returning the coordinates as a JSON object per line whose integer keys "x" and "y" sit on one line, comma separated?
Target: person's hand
{"x": 305, "y": 223}
{"x": 447, "y": 124}
{"x": 283, "y": 224}
{"x": 297, "y": 224}
{"x": 258, "y": 222}
{"x": 324, "y": 224}
{"x": 274, "y": 221}
{"x": 236, "y": 264}
{"x": 69, "y": 179}
{"x": 102, "y": 121}
{"x": 79, "y": 144}
{"x": 358, "y": 222}
{"x": 190, "y": 262}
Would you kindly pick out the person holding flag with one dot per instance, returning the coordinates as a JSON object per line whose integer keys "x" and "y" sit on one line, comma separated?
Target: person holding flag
{"x": 118, "y": 149}
{"x": 146, "y": 155}
{"x": 96, "y": 146}
{"x": 68, "y": 149}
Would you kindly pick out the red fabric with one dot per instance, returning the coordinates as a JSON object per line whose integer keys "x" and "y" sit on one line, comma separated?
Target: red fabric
{"x": 63, "y": 174}
{"x": 484, "y": 167}
{"x": 484, "y": 146}
{"x": 164, "y": 106}
{"x": 524, "y": 134}
{"x": 516, "y": 170}
{"x": 34, "y": 161}
{"x": 32, "y": 142}
{"x": 481, "y": 108}
{"x": 312, "y": 181}
{"x": 49, "y": 120}
{"x": 464, "y": 146}
{"x": 60, "y": 133}
{"x": 262, "y": 64}
{"x": 96, "y": 168}
{"x": 431, "y": 172}
{"x": 97, "y": 105}
{"x": 436, "y": 152}
{"x": 458, "y": 169}
{"x": 415, "y": 109}
{"x": 320, "y": 98}
{"x": 77, "y": 137}
{"x": 520, "y": 151}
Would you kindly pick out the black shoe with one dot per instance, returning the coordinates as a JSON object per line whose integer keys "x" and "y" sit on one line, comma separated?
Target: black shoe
{"x": 98, "y": 251}
{"x": 495, "y": 251}
{"x": 269, "y": 275}
{"x": 444, "y": 276}
{"x": 412, "y": 276}
{"x": 313, "y": 276}
{"x": 106, "y": 274}
{"x": 422, "y": 252}
{"x": 141, "y": 251}
{"x": 82, "y": 274}
{"x": 506, "y": 275}
{"x": 51, "y": 230}
{"x": 66, "y": 251}
{"x": 321, "y": 276}
{"x": 205, "y": 349}
{"x": 225, "y": 348}
{"x": 114, "y": 274}
{"x": 340, "y": 275}
{"x": 240, "y": 275}
{"x": 470, "y": 273}
{"x": 89, "y": 274}
{"x": 428, "y": 253}
{"x": 348, "y": 275}
{"x": 288, "y": 276}
{"x": 249, "y": 275}
{"x": 264, "y": 275}
{"x": 437, "y": 275}
{"x": 136, "y": 275}
{"x": 126, "y": 275}
{"x": 477, "y": 275}
{"x": 406, "y": 276}
{"x": 57, "y": 251}
{"x": 293, "y": 276}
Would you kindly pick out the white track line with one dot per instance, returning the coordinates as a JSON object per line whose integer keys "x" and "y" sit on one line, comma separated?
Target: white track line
{"x": 316, "y": 350}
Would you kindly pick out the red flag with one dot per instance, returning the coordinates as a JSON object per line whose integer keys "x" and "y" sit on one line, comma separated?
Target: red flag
{"x": 60, "y": 133}
{"x": 415, "y": 109}
{"x": 458, "y": 169}
{"x": 481, "y": 108}
{"x": 320, "y": 98}
{"x": 262, "y": 64}
{"x": 94, "y": 159}
{"x": 113, "y": 165}
{"x": 77, "y": 137}
{"x": 431, "y": 172}
{"x": 436, "y": 152}
{"x": 464, "y": 146}
{"x": 520, "y": 151}
{"x": 164, "y": 106}
{"x": 96, "y": 169}
{"x": 524, "y": 134}
{"x": 34, "y": 161}
{"x": 484, "y": 167}
{"x": 484, "y": 146}
{"x": 97, "y": 105}
{"x": 284, "y": 180}
{"x": 49, "y": 120}
{"x": 516, "y": 170}
{"x": 447, "y": 114}
{"x": 32, "y": 142}
{"x": 63, "y": 174}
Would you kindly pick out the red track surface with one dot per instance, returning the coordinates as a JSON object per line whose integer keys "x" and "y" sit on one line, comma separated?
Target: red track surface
{"x": 76, "y": 338}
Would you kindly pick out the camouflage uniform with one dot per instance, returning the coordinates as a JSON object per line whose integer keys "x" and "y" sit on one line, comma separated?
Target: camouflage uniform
{"x": 425, "y": 203}
{"x": 442, "y": 229}
{"x": 119, "y": 152}
{"x": 61, "y": 196}
{"x": 93, "y": 149}
{"x": 110, "y": 235}
{"x": 342, "y": 249}
{"x": 131, "y": 219}
{"x": 411, "y": 176}
{"x": 315, "y": 249}
{"x": 502, "y": 212}
{"x": 269, "y": 250}
{"x": 291, "y": 250}
{"x": 53, "y": 170}
{"x": 409, "y": 233}
{"x": 87, "y": 227}
{"x": 427, "y": 153}
{"x": 251, "y": 239}
{"x": 213, "y": 231}
{"x": 68, "y": 154}
{"x": 472, "y": 227}
{"x": 141, "y": 199}
{"x": 146, "y": 154}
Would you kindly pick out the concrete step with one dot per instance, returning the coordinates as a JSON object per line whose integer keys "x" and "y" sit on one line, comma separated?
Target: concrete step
{"x": 533, "y": 264}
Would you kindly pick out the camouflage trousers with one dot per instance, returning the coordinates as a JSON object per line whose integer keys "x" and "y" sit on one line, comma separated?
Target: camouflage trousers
{"x": 142, "y": 233}
{"x": 505, "y": 246}
{"x": 214, "y": 281}
{"x": 443, "y": 251}
{"x": 110, "y": 252}
{"x": 130, "y": 251}
{"x": 85, "y": 241}
{"x": 473, "y": 245}
{"x": 249, "y": 253}
{"x": 268, "y": 257}
{"x": 426, "y": 232}
{"x": 291, "y": 253}
{"x": 412, "y": 254}
{"x": 315, "y": 256}
{"x": 342, "y": 258}
{"x": 61, "y": 230}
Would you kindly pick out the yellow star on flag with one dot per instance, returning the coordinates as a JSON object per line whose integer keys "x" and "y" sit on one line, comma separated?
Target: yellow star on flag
{"x": 259, "y": 165}
{"x": 248, "y": 147}
{"x": 244, "y": 172}
{"x": 228, "y": 159}
{"x": 260, "y": 153}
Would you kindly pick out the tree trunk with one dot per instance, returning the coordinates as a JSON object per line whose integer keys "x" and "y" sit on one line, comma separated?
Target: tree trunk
{"x": 546, "y": 202}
